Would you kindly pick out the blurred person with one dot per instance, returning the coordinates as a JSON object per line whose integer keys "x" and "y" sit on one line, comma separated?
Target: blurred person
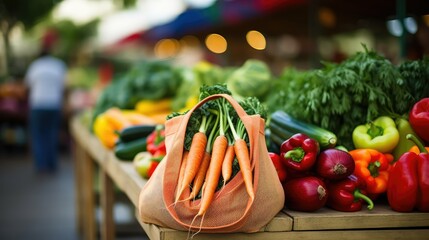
{"x": 45, "y": 79}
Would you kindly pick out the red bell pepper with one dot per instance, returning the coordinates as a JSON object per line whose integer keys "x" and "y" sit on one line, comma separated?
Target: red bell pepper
{"x": 299, "y": 152}
{"x": 408, "y": 187}
{"x": 372, "y": 168}
{"x": 419, "y": 118}
{"x": 280, "y": 168}
{"x": 156, "y": 141}
{"x": 347, "y": 195}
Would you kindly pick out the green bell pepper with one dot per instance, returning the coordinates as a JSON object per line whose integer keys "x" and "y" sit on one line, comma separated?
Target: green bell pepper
{"x": 404, "y": 145}
{"x": 380, "y": 134}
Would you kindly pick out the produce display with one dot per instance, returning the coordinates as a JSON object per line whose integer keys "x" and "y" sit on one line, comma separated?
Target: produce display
{"x": 145, "y": 81}
{"x": 107, "y": 124}
{"x": 341, "y": 96}
{"x": 348, "y": 135}
{"x": 410, "y": 175}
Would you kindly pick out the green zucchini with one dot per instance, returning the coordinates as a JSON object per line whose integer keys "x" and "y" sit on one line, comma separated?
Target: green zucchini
{"x": 135, "y": 132}
{"x": 279, "y": 131}
{"x": 288, "y": 124}
{"x": 276, "y": 140}
{"x": 128, "y": 150}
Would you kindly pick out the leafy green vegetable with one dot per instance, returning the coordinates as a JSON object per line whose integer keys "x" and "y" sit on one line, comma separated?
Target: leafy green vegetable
{"x": 202, "y": 74}
{"x": 251, "y": 79}
{"x": 341, "y": 96}
{"x": 206, "y": 91}
{"x": 147, "y": 80}
{"x": 416, "y": 76}
{"x": 220, "y": 107}
{"x": 253, "y": 106}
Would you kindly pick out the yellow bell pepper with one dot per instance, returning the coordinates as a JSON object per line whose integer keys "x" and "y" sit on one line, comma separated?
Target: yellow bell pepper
{"x": 105, "y": 131}
{"x": 116, "y": 118}
{"x": 149, "y": 107}
{"x": 108, "y": 124}
{"x": 137, "y": 118}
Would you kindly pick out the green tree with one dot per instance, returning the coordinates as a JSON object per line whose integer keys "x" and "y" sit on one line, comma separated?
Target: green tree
{"x": 29, "y": 13}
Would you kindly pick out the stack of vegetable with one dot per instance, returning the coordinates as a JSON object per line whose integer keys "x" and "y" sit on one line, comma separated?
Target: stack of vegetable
{"x": 201, "y": 74}
{"x": 133, "y": 140}
{"x": 253, "y": 78}
{"x": 410, "y": 173}
{"x": 315, "y": 174}
{"x": 154, "y": 81}
{"x": 364, "y": 104}
{"x": 145, "y": 162}
{"x": 358, "y": 90}
{"x": 107, "y": 124}
{"x": 215, "y": 149}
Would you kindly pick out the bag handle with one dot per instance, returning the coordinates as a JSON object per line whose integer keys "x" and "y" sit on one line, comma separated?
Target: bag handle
{"x": 240, "y": 111}
{"x": 176, "y": 151}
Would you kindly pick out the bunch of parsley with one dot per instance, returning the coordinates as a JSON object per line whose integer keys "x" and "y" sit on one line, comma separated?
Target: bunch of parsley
{"x": 416, "y": 76}
{"x": 341, "y": 96}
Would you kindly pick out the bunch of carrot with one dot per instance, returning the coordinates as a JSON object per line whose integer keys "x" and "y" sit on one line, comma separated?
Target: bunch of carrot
{"x": 208, "y": 162}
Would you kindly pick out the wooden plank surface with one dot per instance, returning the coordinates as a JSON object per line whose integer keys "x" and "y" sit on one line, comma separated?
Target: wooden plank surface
{"x": 280, "y": 223}
{"x": 158, "y": 233}
{"x": 379, "y": 217}
{"x": 107, "y": 200}
{"x": 77, "y": 152}
{"x": 88, "y": 195}
{"x": 88, "y": 141}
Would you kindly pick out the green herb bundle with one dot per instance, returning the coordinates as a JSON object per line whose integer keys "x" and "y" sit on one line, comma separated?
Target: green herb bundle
{"x": 341, "y": 96}
{"x": 416, "y": 77}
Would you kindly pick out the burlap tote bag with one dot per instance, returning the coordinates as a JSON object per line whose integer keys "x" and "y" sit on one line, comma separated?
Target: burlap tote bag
{"x": 232, "y": 210}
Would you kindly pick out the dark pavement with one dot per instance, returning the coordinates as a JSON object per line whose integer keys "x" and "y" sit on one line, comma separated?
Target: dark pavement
{"x": 42, "y": 206}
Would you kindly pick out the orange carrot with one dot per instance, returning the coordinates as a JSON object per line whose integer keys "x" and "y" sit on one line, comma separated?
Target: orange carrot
{"x": 182, "y": 170}
{"x": 242, "y": 153}
{"x": 227, "y": 163}
{"x": 218, "y": 154}
{"x": 201, "y": 175}
{"x": 195, "y": 157}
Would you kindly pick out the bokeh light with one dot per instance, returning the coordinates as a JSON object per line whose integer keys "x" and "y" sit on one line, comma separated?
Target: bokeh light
{"x": 216, "y": 43}
{"x": 167, "y": 48}
{"x": 256, "y": 40}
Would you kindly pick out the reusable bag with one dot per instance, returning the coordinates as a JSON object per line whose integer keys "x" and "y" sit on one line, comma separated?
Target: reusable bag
{"x": 232, "y": 210}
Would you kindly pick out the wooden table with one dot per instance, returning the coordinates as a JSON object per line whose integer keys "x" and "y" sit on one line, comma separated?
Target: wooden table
{"x": 380, "y": 223}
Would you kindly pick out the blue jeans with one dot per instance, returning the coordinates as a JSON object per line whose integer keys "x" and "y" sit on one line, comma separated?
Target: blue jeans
{"x": 44, "y": 130}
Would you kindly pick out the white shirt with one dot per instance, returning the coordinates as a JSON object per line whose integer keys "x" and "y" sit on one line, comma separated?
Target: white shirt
{"x": 46, "y": 77}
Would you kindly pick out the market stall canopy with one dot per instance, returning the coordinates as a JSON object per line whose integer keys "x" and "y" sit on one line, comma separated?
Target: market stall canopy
{"x": 279, "y": 17}
{"x": 220, "y": 13}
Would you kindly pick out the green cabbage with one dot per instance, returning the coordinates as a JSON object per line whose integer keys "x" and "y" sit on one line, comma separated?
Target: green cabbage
{"x": 253, "y": 79}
